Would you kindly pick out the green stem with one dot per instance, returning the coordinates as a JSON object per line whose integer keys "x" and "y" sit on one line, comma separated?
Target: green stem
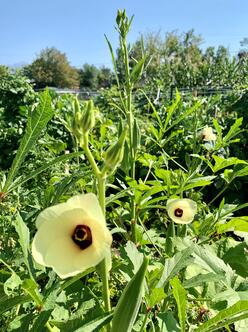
{"x": 103, "y": 265}
{"x": 101, "y": 184}
{"x": 144, "y": 321}
{"x": 85, "y": 146}
{"x": 130, "y": 125}
{"x": 220, "y": 193}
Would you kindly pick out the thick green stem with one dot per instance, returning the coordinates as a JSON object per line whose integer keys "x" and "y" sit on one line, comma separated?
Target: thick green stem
{"x": 105, "y": 282}
{"x": 130, "y": 125}
{"x": 85, "y": 146}
{"x": 101, "y": 184}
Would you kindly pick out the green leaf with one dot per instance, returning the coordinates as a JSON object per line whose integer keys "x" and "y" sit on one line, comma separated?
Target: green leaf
{"x": 137, "y": 70}
{"x": 171, "y": 109}
{"x": 175, "y": 264}
{"x": 113, "y": 59}
{"x": 128, "y": 305}
{"x": 8, "y": 303}
{"x": 234, "y": 130}
{"x": 237, "y": 258}
{"x": 167, "y": 322}
{"x": 221, "y": 163}
{"x": 225, "y": 317}
{"x": 136, "y": 136}
{"x": 156, "y": 296}
{"x": 184, "y": 115}
{"x": 30, "y": 288}
{"x": 37, "y": 121}
{"x": 180, "y": 294}
{"x": 236, "y": 224}
{"x": 96, "y": 324}
{"x": 23, "y": 233}
{"x": 12, "y": 283}
{"x": 169, "y": 247}
{"x": 200, "y": 279}
{"x": 21, "y": 181}
{"x": 41, "y": 320}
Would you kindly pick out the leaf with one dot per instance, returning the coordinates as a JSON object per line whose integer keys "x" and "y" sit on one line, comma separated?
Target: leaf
{"x": 234, "y": 130}
{"x": 171, "y": 109}
{"x": 37, "y": 121}
{"x": 132, "y": 255}
{"x": 237, "y": 258}
{"x": 12, "y": 283}
{"x": 30, "y": 288}
{"x": 8, "y": 303}
{"x": 167, "y": 322}
{"x": 236, "y": 224}
{"x": 24, "y": 238}
{"x": 225, "y": 317}
{"x": 184, "y": 115}
{"x": 180, "y": 294}
{"x": 113, "y": 59}
{"x": 41, "y": 320}
{"x": 96, "y": 324}
{"x": 175, "y": 264}
{"x": 43, "y": 168}
{"x": 128, "y": 305}
{"x": 221, "y": 163}
{"x": 156, "y": 296}
{"x": 136, "y": 136}
{"x": 137, "y": 70}
{"x": 210, "y": 262}
{"x": 197, "y": 182}
{"x": 203, "y": 278}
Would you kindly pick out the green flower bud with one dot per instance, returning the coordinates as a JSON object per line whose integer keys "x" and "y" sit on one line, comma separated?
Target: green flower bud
{"x": 75, "y": 125}
{"x": 88, "y": 118}
{"x": 114, "y": 154}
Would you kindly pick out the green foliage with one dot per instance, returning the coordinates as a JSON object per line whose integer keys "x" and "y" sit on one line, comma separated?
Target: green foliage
{"x": 196, "y": 278}
{"x": 51, "y": 68}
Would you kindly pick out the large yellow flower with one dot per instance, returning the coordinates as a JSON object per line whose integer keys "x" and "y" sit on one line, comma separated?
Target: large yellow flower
{"x": 72, "y": 236}
{"x": 181, "y": 211}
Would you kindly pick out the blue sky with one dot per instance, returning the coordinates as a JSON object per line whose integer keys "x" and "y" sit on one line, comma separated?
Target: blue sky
{"x": 77, "y": 27}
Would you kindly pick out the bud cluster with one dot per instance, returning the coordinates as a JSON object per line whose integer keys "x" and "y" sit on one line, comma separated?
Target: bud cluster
{"x": 84, "y": 118}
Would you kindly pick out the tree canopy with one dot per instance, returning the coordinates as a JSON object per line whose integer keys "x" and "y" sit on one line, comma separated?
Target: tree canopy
{"x": 52, "y": 68}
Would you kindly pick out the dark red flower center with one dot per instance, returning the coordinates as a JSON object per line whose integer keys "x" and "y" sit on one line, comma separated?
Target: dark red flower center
{"x": 82, "y": 236}
{"x": 178, "y": 212}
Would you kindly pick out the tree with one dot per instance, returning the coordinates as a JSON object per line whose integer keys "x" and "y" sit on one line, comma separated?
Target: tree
{"x": 93, "y": 78}
{"x": 52, "y": 68}
{"x": 88, "y": 76}
{"x": 4, "y": 71}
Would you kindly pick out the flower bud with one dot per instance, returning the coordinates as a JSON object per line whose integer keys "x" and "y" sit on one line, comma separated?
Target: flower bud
{"x": 75, "y": 125}
{"x": 88, "y": 118}
{"x": 114, "y": 154}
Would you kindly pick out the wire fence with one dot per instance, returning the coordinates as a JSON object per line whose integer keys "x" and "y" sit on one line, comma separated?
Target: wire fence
{"x": 159, "y": 95}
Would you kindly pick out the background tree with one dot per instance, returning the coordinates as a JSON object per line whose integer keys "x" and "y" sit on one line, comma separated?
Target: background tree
{"x": 52, "y": 68}
{"x": 4, "y": 71}
{"x": 88, "y": 77}
{"x": 93, "y": 78}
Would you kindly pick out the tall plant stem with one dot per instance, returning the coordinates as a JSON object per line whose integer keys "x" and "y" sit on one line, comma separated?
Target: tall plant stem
{"x": 130, "y": 125}
{"x": 101, "y": 185}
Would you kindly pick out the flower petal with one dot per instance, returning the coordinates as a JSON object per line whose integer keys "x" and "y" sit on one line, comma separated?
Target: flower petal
{"x": 52, "y": 229}
{"x": 60, "y": 256}
{"x": 89, "y": 203}
{"x": 100, "y": 248}
{"x": 51, "y": 213}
